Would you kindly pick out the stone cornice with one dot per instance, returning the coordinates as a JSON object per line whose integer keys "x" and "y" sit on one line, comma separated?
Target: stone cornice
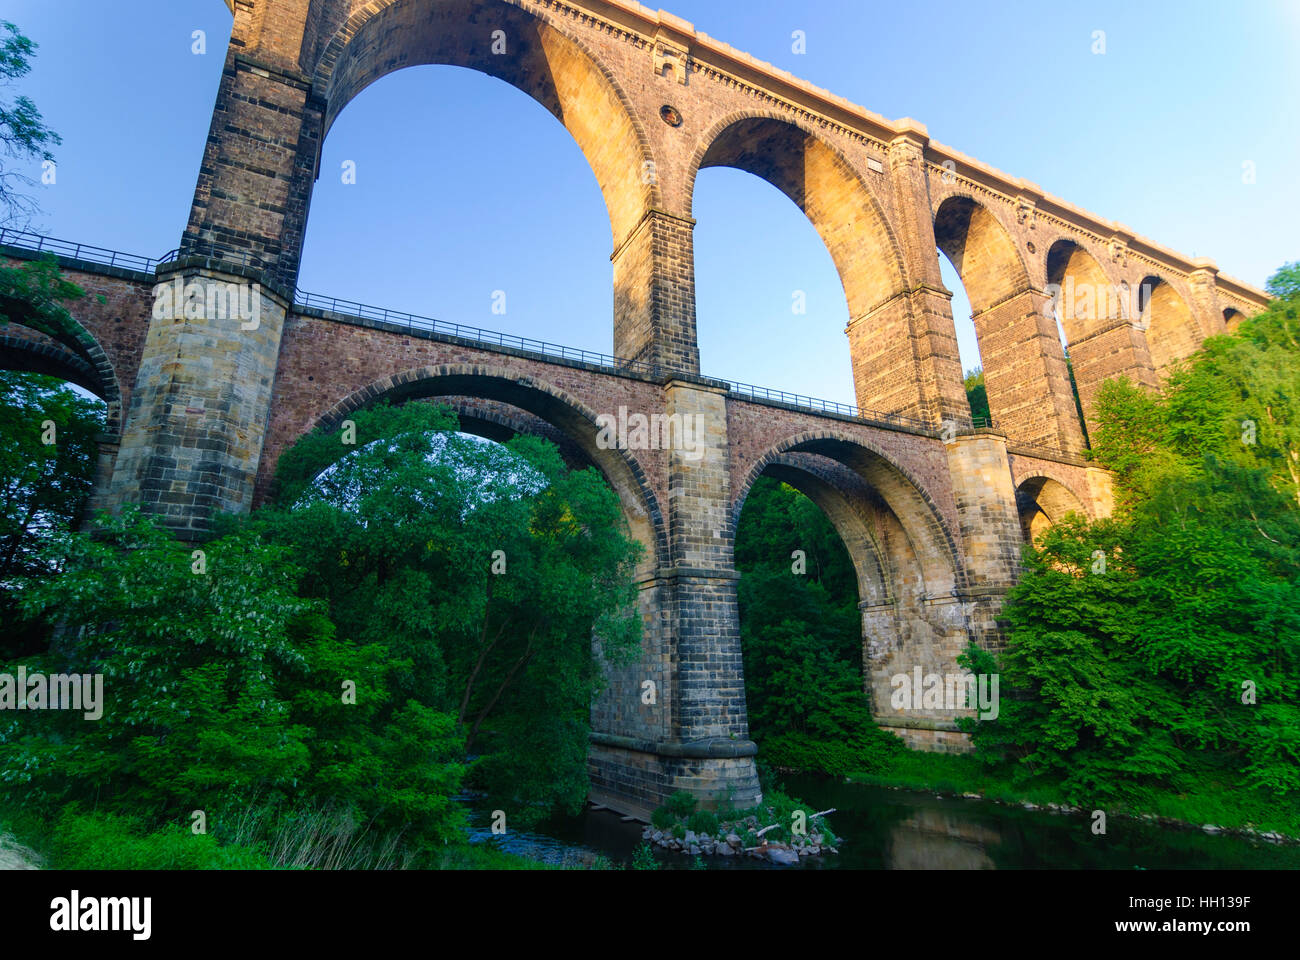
{"x": 723, "y": 63}
{"x": 1065, "y": 215}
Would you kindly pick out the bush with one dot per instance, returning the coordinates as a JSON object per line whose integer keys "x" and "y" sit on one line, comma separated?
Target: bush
{"x": 682, "y": 804}
{"x": 662, "y": 818}
{"x": 98, "y": 841}
{"x": 679, "y": 831}
{"x": 643, "y": 858}
{"x": 873, "y": 749}
{"x": 218, "y": 689}
{"x": 704, "y": 822}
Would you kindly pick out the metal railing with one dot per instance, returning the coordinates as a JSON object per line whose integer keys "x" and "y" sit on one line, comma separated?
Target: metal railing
{"x": 1046, "y": 452}
{"x": 210, "y": 251}
{"x": 413, "y": 321}
{"x": 826, "y": 406}
{"x": 23, "y": 240}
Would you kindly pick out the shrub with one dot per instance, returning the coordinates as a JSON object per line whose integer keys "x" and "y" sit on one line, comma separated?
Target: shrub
{"x": 682, "y": 804}
{"x": 872, "y": 749}
{"x": 703, "y": 821}
{"x": 97, "y": 841}
{"x": 662, "y": 818}
{"x": 643, "y": 858}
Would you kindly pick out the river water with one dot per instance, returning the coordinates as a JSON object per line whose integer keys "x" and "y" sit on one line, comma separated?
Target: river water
{"x": 906, "y": 830}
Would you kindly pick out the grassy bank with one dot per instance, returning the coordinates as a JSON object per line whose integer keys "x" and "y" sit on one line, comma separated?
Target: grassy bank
{"x": 1222, "y": 805}
{"x": 98, "y": 841}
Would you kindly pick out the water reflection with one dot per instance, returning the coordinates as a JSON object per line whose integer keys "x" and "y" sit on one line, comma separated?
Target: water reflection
{"x": 901, "y": 830}
{"x": 939, "y": 840}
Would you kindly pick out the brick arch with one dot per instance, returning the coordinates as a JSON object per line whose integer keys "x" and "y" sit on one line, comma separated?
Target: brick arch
{"x": 1232, "y": 319}
{"x": 847, "y": 513}
{"x": 1020, "y": 349}
{"x": 981, "y": 250}
{"x": 820, "y": 181}
{"x": 928, "y": 536}
{"x": 554, "y": 68}
{"x": 72, "y": 354}
{"x": 501, "y": 422}
{"x": 1089, "y": 299}
{"x": 536, "y": 398}
{"x": 1172, "y": 332}
{"x": 1042, "y": 501}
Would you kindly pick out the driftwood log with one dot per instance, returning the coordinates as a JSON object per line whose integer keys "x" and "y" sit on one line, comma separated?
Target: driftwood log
{"x": 773, "y": 826}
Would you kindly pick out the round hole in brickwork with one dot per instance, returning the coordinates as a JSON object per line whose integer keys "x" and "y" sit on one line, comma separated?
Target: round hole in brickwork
{"x": 670, "y": 115}
{"x": 311, "y": 378}
{"x": 1032, "y": 248}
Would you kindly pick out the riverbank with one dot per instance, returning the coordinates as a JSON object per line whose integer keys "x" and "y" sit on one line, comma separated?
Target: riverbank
{"x": 88, "y": 842}
{"x": 15, "y": 856}
{"x": 1215, "y": 808}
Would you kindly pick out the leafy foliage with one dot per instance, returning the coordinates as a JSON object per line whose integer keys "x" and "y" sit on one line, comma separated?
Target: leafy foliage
{"x": 23, "y": 134}
{"x": 801, "y": 637}
{"x": 681, "y": 804}
{"x": 1178, "y": 662}
{"x": 486, "y": 568}
{"x": 43, "y": 486}
{"x": 643, "y": 858}
{"x": 220, "y": 688}
{"x": 98, "y": 841}
{"x": 977, "y": 394}
{"x": 703, "y": 822}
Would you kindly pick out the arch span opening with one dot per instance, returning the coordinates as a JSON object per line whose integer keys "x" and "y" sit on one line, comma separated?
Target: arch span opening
{"x": 1041, "y": 502}
{"x": 847, "y": 219}
{"x": 441, "y": 190}
{"x": 497, "y": 404}
{"x": 1172, "y": 333}
{"x": 902, "y": 557}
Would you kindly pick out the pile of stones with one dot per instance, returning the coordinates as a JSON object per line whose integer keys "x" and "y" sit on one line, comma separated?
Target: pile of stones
{"x": 729, "y": 843}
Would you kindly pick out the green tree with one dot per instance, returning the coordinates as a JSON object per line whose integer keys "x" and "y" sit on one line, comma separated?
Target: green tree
{"x": 1178, "y": 658}
{"x": 1285, "y": 282}
{"x": 223, "y": 691}
{"x": 801, "y": 637}
{"x": 977, "y": 394}
{"x": 23, "y": 133}
{"x": 44, "y": 486}
{"x": 47, "y": 468}
{"x": 488, "y": 568}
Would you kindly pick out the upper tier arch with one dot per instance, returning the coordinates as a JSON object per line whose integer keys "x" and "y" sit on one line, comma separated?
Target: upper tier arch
{"x": 518, "y": 46}
{"x": 822, "y": 183}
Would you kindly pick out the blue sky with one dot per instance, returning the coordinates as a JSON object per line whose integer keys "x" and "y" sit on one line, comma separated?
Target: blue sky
{"x": 466, "y": 186}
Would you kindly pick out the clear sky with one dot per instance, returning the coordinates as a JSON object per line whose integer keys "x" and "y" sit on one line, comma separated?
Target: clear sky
{"x": 466, "y": 186}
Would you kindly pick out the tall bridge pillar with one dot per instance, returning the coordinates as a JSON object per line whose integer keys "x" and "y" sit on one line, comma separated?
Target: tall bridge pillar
{"x": 198, "y": 413}
{"x": 1118, "y": 349}
{"x": 654, "y": 294}
{"x": 904, "y": 349}
{"x": 254, "y": 186}
{"x": 698, "y": 738}
{"x": 989, "y": 525}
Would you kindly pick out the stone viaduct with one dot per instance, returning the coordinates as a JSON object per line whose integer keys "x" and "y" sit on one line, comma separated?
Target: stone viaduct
{"x": 933, "y": 507}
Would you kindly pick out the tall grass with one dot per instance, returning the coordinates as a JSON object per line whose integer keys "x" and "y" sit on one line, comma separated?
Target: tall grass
{"x": 320, "y": 836}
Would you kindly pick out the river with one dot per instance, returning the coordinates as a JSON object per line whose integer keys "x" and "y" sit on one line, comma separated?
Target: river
{"x": 905, "y": 830}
